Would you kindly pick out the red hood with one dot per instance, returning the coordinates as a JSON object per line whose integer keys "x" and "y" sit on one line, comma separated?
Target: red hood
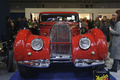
{"x": 45, "y": 27}
{"x": 52, "y": 23}
{"x": 72, "y": 23}
{"x": 47, "y": 23}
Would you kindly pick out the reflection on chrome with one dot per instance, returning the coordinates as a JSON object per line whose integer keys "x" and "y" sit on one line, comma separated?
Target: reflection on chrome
{"x": 87, "y": 62}
{"x": 36, "y": 63}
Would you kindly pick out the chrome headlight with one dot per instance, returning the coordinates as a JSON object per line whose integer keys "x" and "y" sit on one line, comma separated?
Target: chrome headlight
{"x": 37, "y": 44}
{"x": 1, "y": 46}
{"x": 84, "y": 43}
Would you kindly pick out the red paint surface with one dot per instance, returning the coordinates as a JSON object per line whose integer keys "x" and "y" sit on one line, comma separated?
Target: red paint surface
{"x": 46, "y": 27}
{"x": 24, "y": 38}
{"x": 22, "y": 46}
{"x": 98, "y": 45}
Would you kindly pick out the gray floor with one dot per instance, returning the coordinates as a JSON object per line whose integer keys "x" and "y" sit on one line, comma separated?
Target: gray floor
{"x": 109, "y": 64}
{"x": 5, "y": 75}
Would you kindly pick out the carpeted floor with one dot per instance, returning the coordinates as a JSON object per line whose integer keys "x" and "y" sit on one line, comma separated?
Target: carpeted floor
{"x": 59, "y": 72}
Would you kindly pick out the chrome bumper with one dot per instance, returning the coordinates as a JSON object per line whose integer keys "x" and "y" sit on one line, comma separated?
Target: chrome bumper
{"x": 42, "y": 63}
{"x": 87, "y": 62}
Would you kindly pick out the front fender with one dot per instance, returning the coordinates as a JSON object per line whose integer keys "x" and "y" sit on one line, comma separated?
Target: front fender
{"x": 98, "y": 45}
{"x": 100, "y": 41}
{"x": 22, "y": 47}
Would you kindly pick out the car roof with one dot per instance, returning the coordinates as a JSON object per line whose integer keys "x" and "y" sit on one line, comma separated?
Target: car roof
{"x": 58, "y": 13}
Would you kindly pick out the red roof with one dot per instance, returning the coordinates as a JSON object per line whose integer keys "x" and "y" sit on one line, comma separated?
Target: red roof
{"x": 58, "y": 13}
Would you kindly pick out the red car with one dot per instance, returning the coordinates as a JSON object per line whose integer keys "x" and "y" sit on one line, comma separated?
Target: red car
{"x": 59, "y": 41}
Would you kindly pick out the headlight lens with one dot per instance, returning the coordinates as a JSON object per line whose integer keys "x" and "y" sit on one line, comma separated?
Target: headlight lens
{"x": 1, "y": 46}
{"x": 37, "y": 44}
{"x": 84, "y": 43}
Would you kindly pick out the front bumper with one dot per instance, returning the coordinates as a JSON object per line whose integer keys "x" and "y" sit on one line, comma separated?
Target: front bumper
{"x": 87, "y": 62}
{"x": 42, "y": 63}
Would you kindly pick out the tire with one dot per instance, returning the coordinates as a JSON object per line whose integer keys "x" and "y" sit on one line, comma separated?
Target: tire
{"x": 10, "y": 62}
{"x": 27, "y": 72}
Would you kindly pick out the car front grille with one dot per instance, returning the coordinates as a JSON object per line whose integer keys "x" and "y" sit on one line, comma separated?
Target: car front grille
{"x": 60, "y": 39}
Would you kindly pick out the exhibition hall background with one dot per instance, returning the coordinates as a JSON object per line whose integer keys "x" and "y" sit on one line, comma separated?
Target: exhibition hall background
{"x": 16, "y": 8}
{"x": 4, "y": 11}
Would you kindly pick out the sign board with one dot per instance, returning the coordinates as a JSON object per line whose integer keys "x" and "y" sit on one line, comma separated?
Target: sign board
{"x": 101, "y": 75}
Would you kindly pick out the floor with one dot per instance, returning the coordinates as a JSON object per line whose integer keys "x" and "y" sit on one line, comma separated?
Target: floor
{"x": 5, "y": 75}
{"x": 109, "y": 64}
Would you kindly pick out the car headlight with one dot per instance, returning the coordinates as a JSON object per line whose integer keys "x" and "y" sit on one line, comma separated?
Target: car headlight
{"x": 1, "y": 46}
{"x": 84, "y": 43}
{"x": 37, "y": 44}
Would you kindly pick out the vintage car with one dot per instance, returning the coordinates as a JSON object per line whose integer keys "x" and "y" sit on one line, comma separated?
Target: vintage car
{"x": 6, "y": 55}
{"x": 59, "y": 41}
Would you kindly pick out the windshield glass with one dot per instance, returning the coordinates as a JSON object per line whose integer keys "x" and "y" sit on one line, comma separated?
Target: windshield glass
{"x": 59, "y": 17}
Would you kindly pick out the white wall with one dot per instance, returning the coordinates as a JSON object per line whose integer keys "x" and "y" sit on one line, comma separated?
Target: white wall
{"x": 95, "y": 11}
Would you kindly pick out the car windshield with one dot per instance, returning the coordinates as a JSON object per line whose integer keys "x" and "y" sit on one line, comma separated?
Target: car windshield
{"x": 59, "y": 17}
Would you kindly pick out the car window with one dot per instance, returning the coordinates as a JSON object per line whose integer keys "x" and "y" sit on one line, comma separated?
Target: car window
{"x": 58, "y": 17}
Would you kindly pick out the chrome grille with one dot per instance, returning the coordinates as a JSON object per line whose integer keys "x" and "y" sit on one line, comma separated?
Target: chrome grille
{"x": 60, "y": 40}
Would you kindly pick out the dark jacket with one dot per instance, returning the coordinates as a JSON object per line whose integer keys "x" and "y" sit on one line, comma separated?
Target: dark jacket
{"x": 8, "y": 27}
{"x": 7, "y": 35}
{"x": 105, "y": 26}
{"x": 23, "y": 24}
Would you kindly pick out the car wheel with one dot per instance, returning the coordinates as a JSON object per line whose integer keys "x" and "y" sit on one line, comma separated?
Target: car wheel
{"x": 10, "y": 61}
{"x": 25, "y": 72}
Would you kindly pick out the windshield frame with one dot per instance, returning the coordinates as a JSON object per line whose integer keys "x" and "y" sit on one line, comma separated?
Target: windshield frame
{"x": 76, "y": 15}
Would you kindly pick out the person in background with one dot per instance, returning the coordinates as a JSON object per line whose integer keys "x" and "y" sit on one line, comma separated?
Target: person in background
{"x": 23, "y": 24}
{"x": 35, "y": 19}
{"x": 37, "y": 26}
{"x": 112, "y": 21}
{"x": 85, "y": 21}
{"x": 9, "y": 24}
{"x": 82, "y": 26}
{"x": 8, "y": 34}
{"x": 17, "y": 23}
{"x": 114, "y": 49}
{"x": 97, "y": 23}
{"x": 104, "y": 25}
{"x": 90, "y": 23}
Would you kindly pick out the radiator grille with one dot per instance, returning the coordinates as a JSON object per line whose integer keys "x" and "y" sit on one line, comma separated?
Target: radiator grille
{"x": 61, "y": 37}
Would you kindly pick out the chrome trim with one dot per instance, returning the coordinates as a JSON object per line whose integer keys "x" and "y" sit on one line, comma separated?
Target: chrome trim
{"x": 60, "y": 32}
{"x": 36, "y": 63}
{"x": 83, "y": 39}
{"x": 37, "y": 40}
{"x": 60, "y": 56}
{"x": 2, "y": 45}
{"x": 61, "y": 59}
{"x": 87, "y": 62}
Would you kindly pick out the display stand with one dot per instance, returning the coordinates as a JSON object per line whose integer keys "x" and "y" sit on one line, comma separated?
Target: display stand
{"x": 59, "y": 72}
